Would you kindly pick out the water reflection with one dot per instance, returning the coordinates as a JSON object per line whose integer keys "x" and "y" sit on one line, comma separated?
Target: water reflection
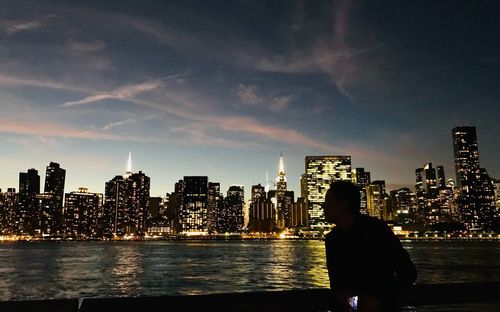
{"x": 126, "y": 268}
{"x": 103, "y": 269}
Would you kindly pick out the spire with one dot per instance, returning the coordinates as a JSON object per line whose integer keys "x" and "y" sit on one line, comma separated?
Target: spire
{"x": 267, "y": 183}
{"x": 281, "y": 179}
{"x": 282, "y": 165}
{"x": 129, "y": 166}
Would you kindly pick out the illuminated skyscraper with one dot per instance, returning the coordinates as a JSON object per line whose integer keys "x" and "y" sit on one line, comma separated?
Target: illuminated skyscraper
{"x": 8, "y": 206}
{"x": 215, "y": 207}
{"x": 496, "y": 184}
{"x": 52, "y": 201}
{"x": 374, "y": 198}
{"x": 193, "y": 214}
{"x": 362, "y": 179}
{"x": 27, "y": 210}
{"x": 282, "y": 198}
{"x": 321, "y": 171}
{"x": 232, "y": 219}
{"x": 441, "y": 179}
{"x": 475, "y": 204}
{"x": 82, "y": 214}
{"x": 262, "y": 214}
{"x": 126, "y": 204}
{"x": 403, "y": 201}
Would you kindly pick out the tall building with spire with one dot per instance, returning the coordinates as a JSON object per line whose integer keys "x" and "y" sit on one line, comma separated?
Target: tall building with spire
{"x": 281, "y": 180}
{"x": 126, "y": 203}
{"x": 281, "y": 197}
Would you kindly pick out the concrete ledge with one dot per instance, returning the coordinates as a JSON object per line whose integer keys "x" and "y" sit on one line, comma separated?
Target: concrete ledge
{"x": 289, "y": 300}
{"x": 56, "y": 305}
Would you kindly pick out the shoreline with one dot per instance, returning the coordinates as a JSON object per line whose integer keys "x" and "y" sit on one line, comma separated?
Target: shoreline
{"x": 494, "y": 237}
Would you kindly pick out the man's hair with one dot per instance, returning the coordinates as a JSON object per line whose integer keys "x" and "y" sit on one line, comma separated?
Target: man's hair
{"x": 343, "y": 190}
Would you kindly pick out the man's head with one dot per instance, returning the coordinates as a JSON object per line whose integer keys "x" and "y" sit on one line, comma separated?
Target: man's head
{"x": 343, "y": 198}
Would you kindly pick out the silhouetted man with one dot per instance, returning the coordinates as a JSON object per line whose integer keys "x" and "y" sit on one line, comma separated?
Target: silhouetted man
{"x": 364, "y": 257}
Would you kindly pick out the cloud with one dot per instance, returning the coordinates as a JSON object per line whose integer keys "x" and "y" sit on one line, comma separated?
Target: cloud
{"x": 280, "y": 103}
{"x": 178, "y": 106}
{"x": 122, "y": 93}
{"x": 11, "y": 81}
{"x": 52, "y": 130}
{"x": 83, "y": 47}
{"x": 12, "y": 27}
{"x": 273, "y": 132}
{"x": 248, "y": 94}
{"x": 126, "y": 93}
{"x": 119, "y": 123}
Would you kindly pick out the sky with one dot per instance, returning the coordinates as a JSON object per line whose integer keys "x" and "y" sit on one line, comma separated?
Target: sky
{"x": 221, "y": 88}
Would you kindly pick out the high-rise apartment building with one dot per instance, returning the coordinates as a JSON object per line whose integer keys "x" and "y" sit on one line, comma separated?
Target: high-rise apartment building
{"x": 475, "y": 205}
{"x": 8, "y": 206}
{"x": 232, "y": 219}
{"x": 320, "y": 172}
{"x": 27, "y": 209}
{"x": 82, "y": 214}
{"x": 215, "y": 206}
{"x": 52, "y": 200}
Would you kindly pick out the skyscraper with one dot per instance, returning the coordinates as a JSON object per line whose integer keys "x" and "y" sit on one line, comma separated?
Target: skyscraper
{"x": 8, "y": 207}
{"x": 281, "y": 197}
{"x": 82, "y": 214}
{"x": 374, "y": 198}
{"x": 476, "y": 209}
{"x": 441, "y": 179}
{"x": 27, "y": 210}
{"x": 233, "y": 210}
{"x": 193, "y": 214}
{"x": 215, "y": 207}
{"x": 320, "y": 172}
{"x": 362, "y": 179}
{"x": 52, "y": 201}
{"x": 262, "y": 214}
{"x": 126, "y": 204}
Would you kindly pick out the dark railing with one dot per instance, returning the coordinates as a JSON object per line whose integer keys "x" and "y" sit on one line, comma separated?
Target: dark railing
{"x": 289, "y": 300}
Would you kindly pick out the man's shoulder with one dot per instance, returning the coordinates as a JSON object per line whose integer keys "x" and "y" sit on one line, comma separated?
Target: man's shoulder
{"x": 333, "y": 234}
{"x": 371, "y": 222}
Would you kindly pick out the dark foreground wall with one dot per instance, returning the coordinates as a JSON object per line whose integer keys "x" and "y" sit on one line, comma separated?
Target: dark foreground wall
{"x": 290, "y": 300}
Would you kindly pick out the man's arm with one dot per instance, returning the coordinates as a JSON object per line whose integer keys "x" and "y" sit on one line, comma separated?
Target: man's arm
{"x": 406, "y": 272}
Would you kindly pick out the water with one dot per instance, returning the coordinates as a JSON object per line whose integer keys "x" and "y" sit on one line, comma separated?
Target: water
{"x": 41, "y": 270}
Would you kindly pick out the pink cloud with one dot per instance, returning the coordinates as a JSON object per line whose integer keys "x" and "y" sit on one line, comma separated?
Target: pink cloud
{"x": 45, "y": 129}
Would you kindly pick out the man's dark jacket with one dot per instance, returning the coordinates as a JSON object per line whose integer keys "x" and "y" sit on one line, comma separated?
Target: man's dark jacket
{"x": 368, "y": 259}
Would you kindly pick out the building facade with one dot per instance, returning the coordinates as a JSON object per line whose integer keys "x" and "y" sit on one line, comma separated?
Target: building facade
{"x": 83, "y": 214}
{"x": 476, "y": 209}
{"x": 320, "y": 172}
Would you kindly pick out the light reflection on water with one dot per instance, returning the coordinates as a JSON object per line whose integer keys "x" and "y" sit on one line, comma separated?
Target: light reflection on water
{"x": 102, "y": 269}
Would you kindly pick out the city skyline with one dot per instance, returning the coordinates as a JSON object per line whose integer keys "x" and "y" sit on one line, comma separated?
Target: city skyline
{"x": 221, "y": 89}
